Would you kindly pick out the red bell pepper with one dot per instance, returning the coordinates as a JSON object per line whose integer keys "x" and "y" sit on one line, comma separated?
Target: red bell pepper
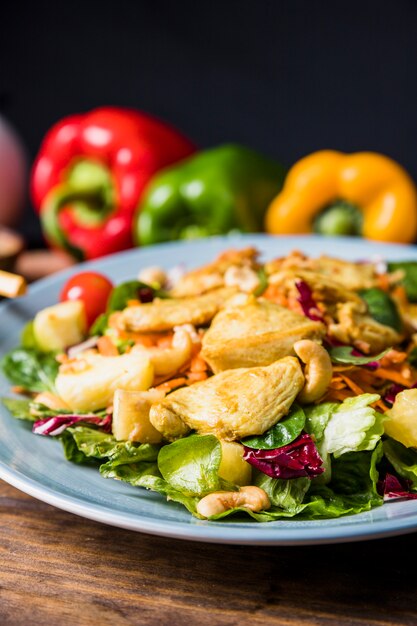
{"x": 89, "y": 175}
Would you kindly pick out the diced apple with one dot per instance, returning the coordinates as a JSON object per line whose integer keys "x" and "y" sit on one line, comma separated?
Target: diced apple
{"x": 88, "y": 382}
{"x": 60, "y": 326}
{"x": 131, "y": 415}
{"x": 232, "y": 466}
{"x": 401, "y": 424}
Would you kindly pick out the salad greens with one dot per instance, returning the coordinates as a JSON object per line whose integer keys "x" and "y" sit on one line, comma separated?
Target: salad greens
{"x": 283, "y": 433}
{"x": 409, "y": 280}
{"x": 382, "y": 307}
{"x": 31, "y": 369}
{"x": 322, "y": 460}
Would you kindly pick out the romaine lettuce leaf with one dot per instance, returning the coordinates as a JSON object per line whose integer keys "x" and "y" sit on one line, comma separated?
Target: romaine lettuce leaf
{"x": 19, "y": 408}
{"x": 354, "y": 426}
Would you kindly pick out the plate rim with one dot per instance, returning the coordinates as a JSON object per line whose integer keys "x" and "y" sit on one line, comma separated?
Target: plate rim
{"x": 200, "y": 530}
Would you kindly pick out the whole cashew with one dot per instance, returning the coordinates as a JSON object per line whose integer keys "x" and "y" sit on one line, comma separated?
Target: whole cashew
{"x": 250, "y": 497}
{"x": 318, "y": 369}
{"x": 167, "y": 360}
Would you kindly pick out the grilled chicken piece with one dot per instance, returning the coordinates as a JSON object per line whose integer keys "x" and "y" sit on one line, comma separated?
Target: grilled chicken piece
{"x": 351, "y": 275}
{"x": 355, "y": 327}
{"x": 233, "y": 404}
{"x": 257, "y": 333}
{"x": 211, "y": 276}
{"x": 162, "y": 315}
{"x": 325, "y": 289}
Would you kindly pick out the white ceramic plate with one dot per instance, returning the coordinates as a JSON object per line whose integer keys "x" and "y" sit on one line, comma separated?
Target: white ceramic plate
{"x": 36, "y": 465}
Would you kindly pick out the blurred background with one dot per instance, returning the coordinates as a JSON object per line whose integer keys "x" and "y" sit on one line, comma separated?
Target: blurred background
{"x": 286, "y": 77}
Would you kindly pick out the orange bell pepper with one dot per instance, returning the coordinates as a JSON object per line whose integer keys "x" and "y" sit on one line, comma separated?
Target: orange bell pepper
{"x": 377, "y": 186}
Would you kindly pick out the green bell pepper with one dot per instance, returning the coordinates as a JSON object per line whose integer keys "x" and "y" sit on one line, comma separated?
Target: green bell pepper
{"x": 217, "y": 191}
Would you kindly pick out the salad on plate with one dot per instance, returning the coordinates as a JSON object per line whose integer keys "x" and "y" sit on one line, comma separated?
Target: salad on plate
{"x": 285, "y": 389}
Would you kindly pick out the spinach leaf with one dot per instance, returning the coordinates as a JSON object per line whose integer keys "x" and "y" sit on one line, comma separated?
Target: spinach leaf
{"x": 33, "y": 370}
{"x": 382, "y": 307}
{"x": 284, "y": 432}
{"x": 409, "y": 281}
{"x": 191, "y": 465}
{"x": 343, "y": 354}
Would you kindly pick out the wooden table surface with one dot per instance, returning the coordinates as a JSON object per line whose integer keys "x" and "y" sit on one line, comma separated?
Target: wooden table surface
{"x": 58, "y": 569}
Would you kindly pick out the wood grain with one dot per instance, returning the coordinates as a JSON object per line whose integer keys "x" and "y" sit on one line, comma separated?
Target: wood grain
{"x": 59, "y": 569}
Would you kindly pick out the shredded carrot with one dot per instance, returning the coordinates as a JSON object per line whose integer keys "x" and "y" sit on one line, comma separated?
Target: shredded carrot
{"x": 393, "y": 356}
{"x": 198, "y": 364}
{"x": 336, "y": 395}
{"x": 274, "y": 294}
{"x": 400, "y": 294}
{"x": 106, "y": 347}
{"x": 352, "y": 385}
{"x": 169, "y": 385}
{"x": 383, "y": 282}
{"x": 194, "y": 377}
{"x": 394, "y": 376}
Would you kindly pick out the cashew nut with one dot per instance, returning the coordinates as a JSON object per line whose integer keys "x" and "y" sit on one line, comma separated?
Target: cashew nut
{"x": 153, "y": 275}
{"x": 242, "y": 277}
{"x": 169, "y": 360}
{"x": 253, "y": 498}
{"x": 318, "y": 369}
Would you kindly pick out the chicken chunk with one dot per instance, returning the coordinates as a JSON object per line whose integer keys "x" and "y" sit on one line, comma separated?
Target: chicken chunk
{"x": 161, "y": 315}
{"x": 257, "y": 333}
{"x": 211, "y": 276}
{"x": 351, "y": 275}
{"x": 233, "y": 404}
{"x": 353, "y": 327}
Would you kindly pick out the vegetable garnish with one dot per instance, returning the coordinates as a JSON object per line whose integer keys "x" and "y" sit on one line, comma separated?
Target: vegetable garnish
{"x": 351, "y": 356}
{"x": 307, "y": 302}
{"x": 56, "y": 425}
{"x": 228, "y": 403}
{"x": 297, "y": 459}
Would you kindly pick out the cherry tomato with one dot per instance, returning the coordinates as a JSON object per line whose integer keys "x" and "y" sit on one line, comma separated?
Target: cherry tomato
{"x": 92, "y": 288}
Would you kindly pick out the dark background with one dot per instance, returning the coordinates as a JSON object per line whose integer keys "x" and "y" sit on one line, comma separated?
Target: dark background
{"x": 285, "y": 77}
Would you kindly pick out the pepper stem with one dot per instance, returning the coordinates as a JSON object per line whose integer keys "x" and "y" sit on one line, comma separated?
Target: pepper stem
{"x": 340, "y": 218}
{"x": 89, "y": 193}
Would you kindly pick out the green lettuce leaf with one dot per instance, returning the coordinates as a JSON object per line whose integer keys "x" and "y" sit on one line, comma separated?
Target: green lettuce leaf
{"x": 191, "y": 465}
{"x": 19, "y": 408}
{"x": 403, "y": 460}
{"x": 283, "y": 433}
{"x": 354, "y": 426}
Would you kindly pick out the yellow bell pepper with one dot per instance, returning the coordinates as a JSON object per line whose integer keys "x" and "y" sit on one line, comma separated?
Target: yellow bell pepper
{"x": 377, "y": 186}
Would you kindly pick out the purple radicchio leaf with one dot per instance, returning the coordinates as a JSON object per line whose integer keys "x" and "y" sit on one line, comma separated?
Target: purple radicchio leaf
{"x": 297, "y": 459}
{"x": 393, "y": 488}
{"x": 393, "y": 390}
{"x": 56, "y": 425}
{"x": 307, "y": 302}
